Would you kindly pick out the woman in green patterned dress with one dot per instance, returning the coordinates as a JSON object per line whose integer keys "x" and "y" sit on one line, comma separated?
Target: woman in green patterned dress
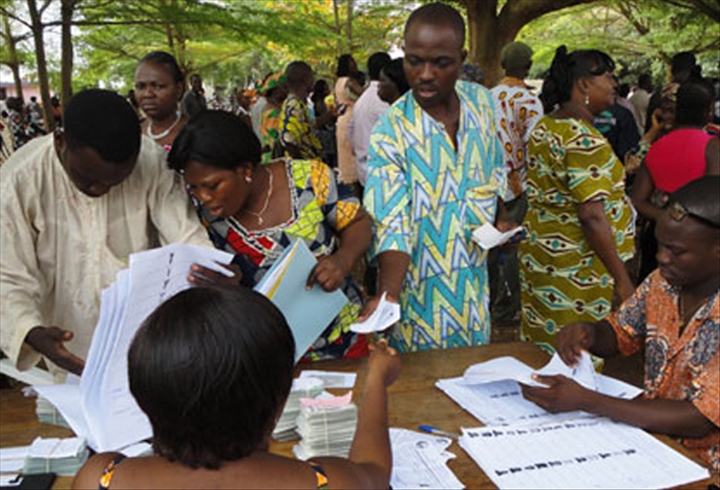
{"x": 579, "y": 222}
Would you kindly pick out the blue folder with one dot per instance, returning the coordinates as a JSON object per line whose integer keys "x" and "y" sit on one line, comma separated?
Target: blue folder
{"x": 308, "y": 313}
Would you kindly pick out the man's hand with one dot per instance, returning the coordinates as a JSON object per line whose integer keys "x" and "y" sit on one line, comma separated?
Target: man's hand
{"x": 561, "y": 395}
{"x": 50, "y": 342}
{"x": 202, "y": 276}
{"x": 371, "y": 305}
{"x": 330, "y": 273}
{"x": 573, "y": 339}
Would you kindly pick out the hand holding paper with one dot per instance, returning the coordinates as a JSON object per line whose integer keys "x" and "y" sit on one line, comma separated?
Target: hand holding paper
{"x": 487, "y": 236}
{"x": 384, "y": 316}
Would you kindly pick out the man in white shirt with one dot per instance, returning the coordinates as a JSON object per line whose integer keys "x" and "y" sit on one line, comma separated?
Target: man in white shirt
{"x": 366, "y": 113}
{"x": 517, "y": 110}
{"x": 73, "y": 206}
{"x": 640, "y": 99}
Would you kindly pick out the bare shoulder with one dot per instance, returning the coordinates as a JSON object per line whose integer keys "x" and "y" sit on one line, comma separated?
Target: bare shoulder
{"x": 343, "y": 473}
{"x": 89, "y": 475}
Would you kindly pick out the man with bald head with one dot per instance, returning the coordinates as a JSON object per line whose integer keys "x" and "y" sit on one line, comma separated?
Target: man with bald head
{"x": 435, "y": 174}
{"x": 675, "y": 314}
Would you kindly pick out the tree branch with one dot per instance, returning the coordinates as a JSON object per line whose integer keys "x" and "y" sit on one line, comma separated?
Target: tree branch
{"x": 527, "y": 10}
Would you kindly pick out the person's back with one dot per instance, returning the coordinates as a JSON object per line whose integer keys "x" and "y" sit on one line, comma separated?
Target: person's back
{"x": 225, "y": 376}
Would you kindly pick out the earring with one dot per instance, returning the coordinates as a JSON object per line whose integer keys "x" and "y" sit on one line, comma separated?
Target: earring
{"x": 587, "y": 99}
{"x": 248, "y": 179}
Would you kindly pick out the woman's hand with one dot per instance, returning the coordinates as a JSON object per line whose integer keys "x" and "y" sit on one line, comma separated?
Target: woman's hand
{"x": 573, "y": 339}
{"x": 329, "y": 273}
{"x": 384, "y": 362}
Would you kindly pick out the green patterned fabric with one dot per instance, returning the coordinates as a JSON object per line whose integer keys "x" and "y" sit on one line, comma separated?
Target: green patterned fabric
{"x": 563, "y": 280}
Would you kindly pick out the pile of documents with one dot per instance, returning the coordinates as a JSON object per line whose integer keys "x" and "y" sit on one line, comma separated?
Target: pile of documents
{"x": 100, "y": 407}
{"x": 327, "y": 426}
{"x": 523, "y": 446}
{"x": 420, "y": 461}
{"x": 63, "y": 457}
{"x": 48, "y": 414}
{"x": 286, "y": 425}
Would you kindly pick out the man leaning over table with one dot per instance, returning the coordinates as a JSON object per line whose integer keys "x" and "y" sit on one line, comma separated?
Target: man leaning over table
{"x": 73, "y": 206}
{"x": 675, "y": 314}
{"x": 435, "y": 174}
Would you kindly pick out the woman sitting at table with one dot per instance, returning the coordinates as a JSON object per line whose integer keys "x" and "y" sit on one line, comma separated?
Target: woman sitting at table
{"x": 257, "y": 211}
{"x": 212, "y": 369}
{"x": 159, "y": 87}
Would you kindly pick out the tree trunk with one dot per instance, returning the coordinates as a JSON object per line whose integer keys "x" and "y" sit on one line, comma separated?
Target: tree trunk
{"x": 66, "y": 11}
{"x": 490, "y": 31}
{"x": 37, "y": 30}
{"x": 13, "y": 62}
{"x": 336, "y": 12}
{"x": 348, "y": 24}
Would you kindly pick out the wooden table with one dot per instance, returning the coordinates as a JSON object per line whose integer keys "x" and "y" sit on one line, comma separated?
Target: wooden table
{"x": 413, "y": 401}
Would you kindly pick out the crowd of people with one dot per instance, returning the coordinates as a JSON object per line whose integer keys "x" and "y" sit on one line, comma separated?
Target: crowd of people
{"x": 388, "y": 174}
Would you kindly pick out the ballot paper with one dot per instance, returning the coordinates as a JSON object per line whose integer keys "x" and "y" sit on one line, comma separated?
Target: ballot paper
{"x": 420, "y": 461}
{"x": 385, "y": 315}
{"x": 63, "y": 457}
{"x": 588, "y": 453}
{"x": 487, "y": 236}
{"x": 101, "y": 408}
{"x": 326, "y": 426}
{"x": 331, "y": 379}
{"x": 303, "y": 387}
{"x": 308, "y": 312}
{"x": 490, "y": 391}
{"x": 12, "y": 459}
{"x": 509, "y": 368}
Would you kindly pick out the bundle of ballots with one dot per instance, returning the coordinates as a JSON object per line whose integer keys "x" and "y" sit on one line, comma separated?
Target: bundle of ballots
{"x": 63, "y": 457}
{"x": 48, "y": 414}
{"x": 286, "y": 425}
{"x": 327, "y": 427}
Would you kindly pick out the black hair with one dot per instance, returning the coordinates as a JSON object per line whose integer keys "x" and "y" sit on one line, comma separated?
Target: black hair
{"x": 297, "y": 72}
{"x": 566, "y": 69}
{"x": 395, "y": 72}
{"x": 104, "y": 121}
{"x": 216, "y": 138}
{"x": 438, "y": 14}
{"x": 376, "y": 62}
{"x": 168, "y": 61}
{"x": 195, "y": 76}
{"x": 320, "y": 90}
{"x": 702, "y": 197}
{"x": 211, "y": 368}
{"x": 623, "y": 89}
{"x": 344, "y": 67}
{"x": 682, "y": 62}
{"x": 694, "y": 101}
{"x": 359, "y": 77}
{"x": 645, "y": 82}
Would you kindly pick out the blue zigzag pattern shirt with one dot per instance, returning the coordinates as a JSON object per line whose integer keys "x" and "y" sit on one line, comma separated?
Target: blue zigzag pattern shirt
{"x": 425, "y": 199}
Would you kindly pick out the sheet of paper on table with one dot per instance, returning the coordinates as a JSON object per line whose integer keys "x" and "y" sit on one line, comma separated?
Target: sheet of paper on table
{"x": 487, "y": 236}
{"x": 587, "y": 453}
{"x": 101, "y": 408}
{"x": 331, "y": 379}
{"x": 491, "y": 393}
{"x": 420, "y": 461}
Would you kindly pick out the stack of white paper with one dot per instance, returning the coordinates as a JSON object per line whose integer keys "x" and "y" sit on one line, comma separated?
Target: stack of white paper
{"x": 48, "y": 414}
{"x": 490, "y": 391}
{"x": 306, "y": 387}
{"x": 327, "y": 427}
{"x": 101, "y": 408}
{"x": 61, "y": 456}
{"x": 420, "y": 461}
{"x": 587, "y": 453}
